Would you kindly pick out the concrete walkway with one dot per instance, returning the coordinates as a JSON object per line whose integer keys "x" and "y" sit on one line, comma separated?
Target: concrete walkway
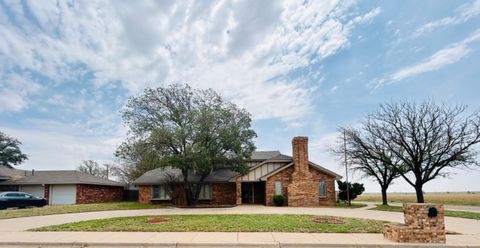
{"x": 13, "y": 230}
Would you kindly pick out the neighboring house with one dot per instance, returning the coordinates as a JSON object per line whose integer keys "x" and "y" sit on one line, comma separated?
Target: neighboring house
{"x": 61, "y": 186}
{"x": 301, "y": 182}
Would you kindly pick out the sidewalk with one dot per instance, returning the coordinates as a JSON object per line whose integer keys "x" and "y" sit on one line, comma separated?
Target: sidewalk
{"x": 217, "y": 239}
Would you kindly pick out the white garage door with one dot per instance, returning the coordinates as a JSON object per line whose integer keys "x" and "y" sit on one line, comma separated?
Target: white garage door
{"x": 63, "y": 194}
{"x": 35, "y": 190}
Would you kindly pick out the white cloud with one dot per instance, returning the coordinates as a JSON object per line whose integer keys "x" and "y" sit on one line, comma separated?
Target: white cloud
{"x": 14, "y": 90}
{"x": 245, "y": 50}
{"x": 58, "y": 147}
{"x": 449, "y": 55}
{"x": 464, "y": 13}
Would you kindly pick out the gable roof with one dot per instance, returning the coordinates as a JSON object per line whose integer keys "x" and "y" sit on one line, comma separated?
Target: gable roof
{"x": 316, "y": 166}
{"x": 160, "y": 175}
{"x": 58, "y": 177}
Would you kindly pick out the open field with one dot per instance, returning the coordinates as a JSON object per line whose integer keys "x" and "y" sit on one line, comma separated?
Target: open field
{"x": 65, "y": 209}
{"x": 225, "y": 223}
{"x": 472, "y": 199}
{"x": 450, "y": 213}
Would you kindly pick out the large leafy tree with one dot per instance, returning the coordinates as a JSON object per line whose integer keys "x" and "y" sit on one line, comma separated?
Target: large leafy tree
{"x": 10, "y": 153}
{"x": 192, "y": 130}
{"x": 427, "y": 139}
{"x": 368, "y": 155}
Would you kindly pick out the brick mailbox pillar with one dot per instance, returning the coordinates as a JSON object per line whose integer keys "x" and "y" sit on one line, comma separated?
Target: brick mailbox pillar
{"x": 424, "y": 223}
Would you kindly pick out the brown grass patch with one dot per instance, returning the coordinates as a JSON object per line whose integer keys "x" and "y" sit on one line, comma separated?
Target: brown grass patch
{"x": 328, "y": 220}
{"x": 157, "y": 220}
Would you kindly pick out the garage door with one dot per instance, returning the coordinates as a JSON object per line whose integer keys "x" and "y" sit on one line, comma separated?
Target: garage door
{"x": 63, "y": 194}
{"x": 35, "y": 190}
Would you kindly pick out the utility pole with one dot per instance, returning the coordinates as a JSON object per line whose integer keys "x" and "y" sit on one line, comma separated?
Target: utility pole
{"x": 107, "y": 169}
{"x": 346, "y": 166}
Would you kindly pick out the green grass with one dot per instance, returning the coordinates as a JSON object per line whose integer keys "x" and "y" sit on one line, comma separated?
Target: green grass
{"x": 467, "y": 199}
{"x": 64, "y": 209}
{"x": 224, "y": 223}
{"x": 353, "y": 205}
{"x": 450, "y": 213}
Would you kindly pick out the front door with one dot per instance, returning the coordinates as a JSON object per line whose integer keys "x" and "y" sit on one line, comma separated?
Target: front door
{"x": 247, "y": 193}
{"x": 253, "y": 193}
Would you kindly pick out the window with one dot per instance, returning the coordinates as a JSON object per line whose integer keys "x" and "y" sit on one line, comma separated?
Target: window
{"x": 11, "y": 195}
{"x": 322, "y": 190}
{"x": 205, "y": 192}
{"x": 278, "y": 188}
{"x": 160, "y": 192}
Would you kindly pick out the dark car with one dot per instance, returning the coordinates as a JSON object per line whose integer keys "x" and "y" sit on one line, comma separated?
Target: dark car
{"x": 20, "y": 200}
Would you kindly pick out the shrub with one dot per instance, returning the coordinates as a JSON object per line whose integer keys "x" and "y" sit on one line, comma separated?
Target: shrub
{"x": 279, "y": 200}
{"x": 355, "y": 190}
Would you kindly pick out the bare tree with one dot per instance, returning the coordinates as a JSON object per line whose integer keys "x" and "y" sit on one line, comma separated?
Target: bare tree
{"x": 426, "y": 138}
{"x": 93, "y": 168}
{"x": 369, "y": 156}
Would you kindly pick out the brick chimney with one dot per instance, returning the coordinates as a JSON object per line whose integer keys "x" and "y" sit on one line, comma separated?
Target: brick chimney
{"x": 302, "y": 190}
{"x": 300, "y": 154}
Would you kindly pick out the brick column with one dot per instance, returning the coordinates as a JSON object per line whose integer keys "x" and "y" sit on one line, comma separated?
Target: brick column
{"x": 424, "y": 223}
{"x": 145, "y": 194}
{"x": 238, "y": 185}
{"x": 46, "y": 194}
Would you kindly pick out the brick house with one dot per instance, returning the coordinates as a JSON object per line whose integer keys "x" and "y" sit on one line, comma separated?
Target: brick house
{"x": 300, "y": 181}
{"x": 61, "y": 186}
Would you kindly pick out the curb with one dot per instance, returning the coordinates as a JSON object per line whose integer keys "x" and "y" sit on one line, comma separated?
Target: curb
{"x": 225, "y": 244}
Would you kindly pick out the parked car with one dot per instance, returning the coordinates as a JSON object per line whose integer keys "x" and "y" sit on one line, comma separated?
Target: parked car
{"x": 20, "y": 200}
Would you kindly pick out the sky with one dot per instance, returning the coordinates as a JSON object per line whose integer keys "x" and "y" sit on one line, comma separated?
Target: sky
{"x": 299, "y": 67}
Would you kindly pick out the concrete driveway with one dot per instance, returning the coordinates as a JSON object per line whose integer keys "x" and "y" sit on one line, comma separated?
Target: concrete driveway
{"x": 464, "y": 226}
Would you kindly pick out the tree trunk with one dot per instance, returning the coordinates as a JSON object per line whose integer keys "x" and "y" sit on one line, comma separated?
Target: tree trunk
{"x": 186, "y": 187}
{"x": 384, "y": 196}
{"x": 419, "y": 191}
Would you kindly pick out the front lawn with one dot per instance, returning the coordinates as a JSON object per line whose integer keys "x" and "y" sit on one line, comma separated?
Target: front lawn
{"x": 450, "y": 213}
{"x": 65, "y": 209}
{"x": 225, "y": 223}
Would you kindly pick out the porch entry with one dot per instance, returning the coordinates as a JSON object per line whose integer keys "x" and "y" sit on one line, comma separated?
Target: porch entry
{"x": 253, "y": 193}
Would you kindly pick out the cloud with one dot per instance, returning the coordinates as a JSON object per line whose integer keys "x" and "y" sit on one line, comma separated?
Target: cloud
{"x": 248, "y": 50}
{"x": 59, "y": 147}
{"x": 464, "y": 13}
{"x": 449, "y": 55}
{"x": 14, "y": 89}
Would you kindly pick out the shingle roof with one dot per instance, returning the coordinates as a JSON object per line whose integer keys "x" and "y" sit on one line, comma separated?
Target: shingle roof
{"x": 263, "y": 155}
{"x": 281, "y": 157}
{"x": 8, "y": 172}
{"x": 161, "y": 175}
{"x": 58, "y": 177}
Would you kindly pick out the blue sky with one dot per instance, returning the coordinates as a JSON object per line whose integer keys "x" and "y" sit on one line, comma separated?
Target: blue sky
{"x": 299, "y": 67}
